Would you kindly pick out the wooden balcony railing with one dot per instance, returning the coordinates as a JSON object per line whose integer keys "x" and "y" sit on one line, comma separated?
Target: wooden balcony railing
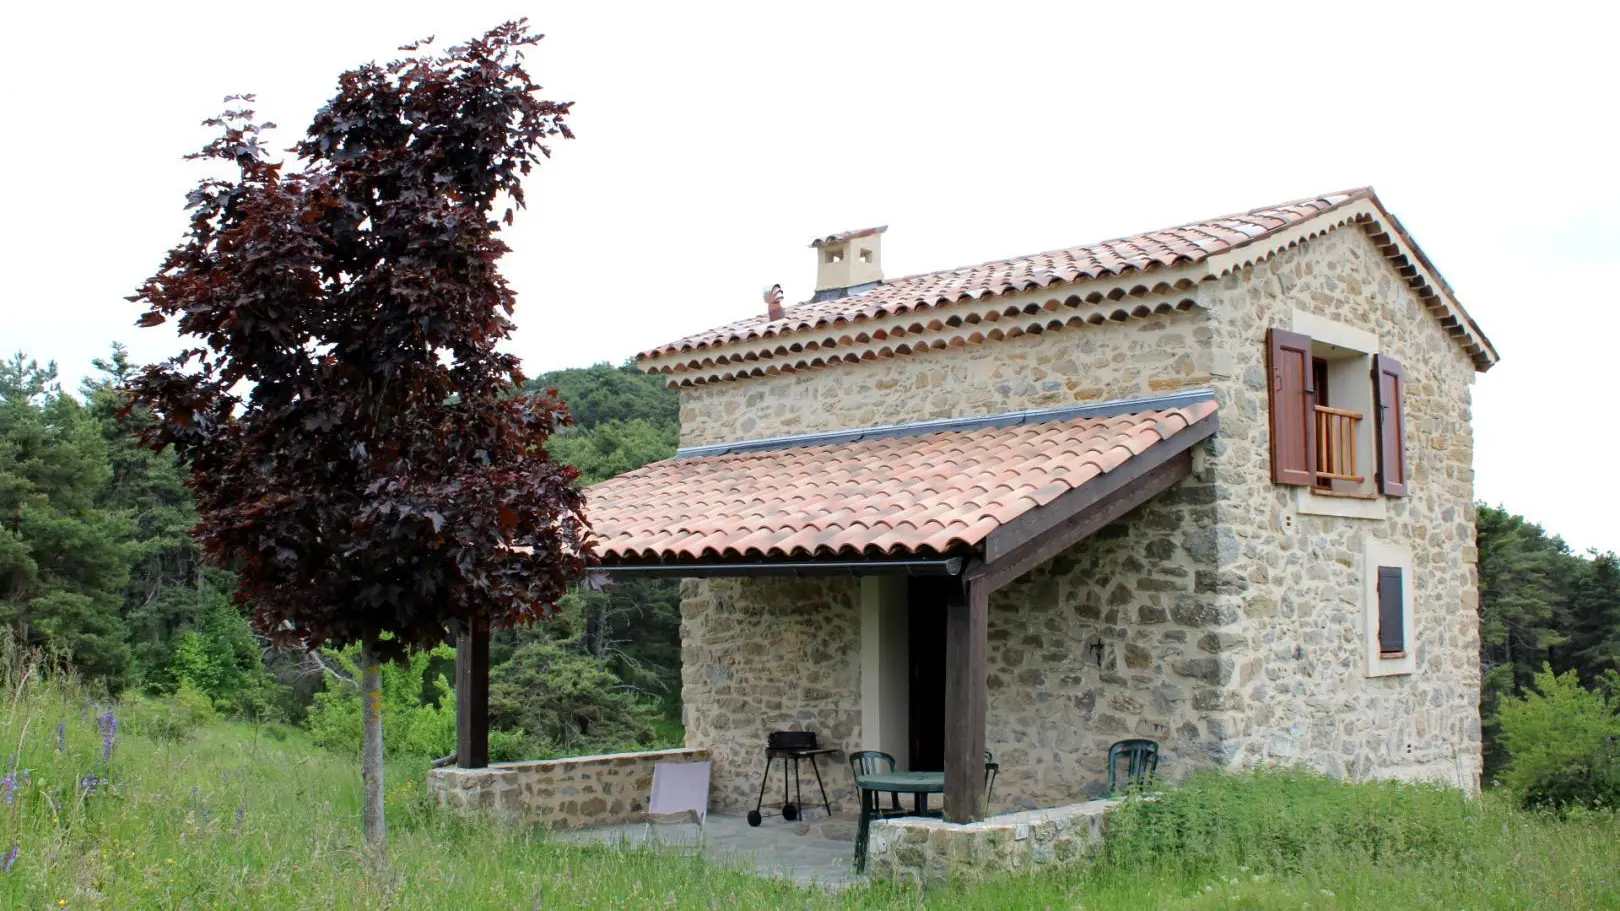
{"x": 1336, "y": 446}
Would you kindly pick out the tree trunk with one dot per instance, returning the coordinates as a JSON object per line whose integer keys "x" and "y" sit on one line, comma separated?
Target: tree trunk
{"x": 371, "y": 762}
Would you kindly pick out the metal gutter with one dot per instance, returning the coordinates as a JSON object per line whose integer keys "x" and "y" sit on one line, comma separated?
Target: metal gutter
{"x": 1109, "y": 408}
{"x": 947, "y": 566}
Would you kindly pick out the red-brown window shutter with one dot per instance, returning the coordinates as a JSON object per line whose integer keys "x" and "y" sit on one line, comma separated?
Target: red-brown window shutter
{"x": 1391, "y": 613}
{"x": 1389, "y": 398}
{"x": 1293, "y": 413}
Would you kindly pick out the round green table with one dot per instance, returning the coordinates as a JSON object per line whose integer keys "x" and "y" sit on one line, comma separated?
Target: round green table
{"x": 919, "y": 784}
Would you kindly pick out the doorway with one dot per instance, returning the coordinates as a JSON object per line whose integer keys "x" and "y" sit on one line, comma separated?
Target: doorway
{"x": 925, "y": 616}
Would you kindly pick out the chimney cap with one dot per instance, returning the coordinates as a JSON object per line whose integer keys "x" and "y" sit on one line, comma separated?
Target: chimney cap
{"x": 842, "y": 236}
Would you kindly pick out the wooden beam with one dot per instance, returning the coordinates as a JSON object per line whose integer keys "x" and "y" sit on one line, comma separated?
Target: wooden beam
{"x": 1040, "y": 521}
{"x": 472, "y": 694}
{"x": 1079, "y": 525}
{"x": 967, "y": 631}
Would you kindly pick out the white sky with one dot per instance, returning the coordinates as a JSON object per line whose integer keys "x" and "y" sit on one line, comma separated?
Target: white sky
{"x": 715, "y": 141}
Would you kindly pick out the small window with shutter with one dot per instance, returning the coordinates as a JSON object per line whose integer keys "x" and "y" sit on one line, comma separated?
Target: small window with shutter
{"x": 1389, "y": 588}
{"x": 1391, "y": 612}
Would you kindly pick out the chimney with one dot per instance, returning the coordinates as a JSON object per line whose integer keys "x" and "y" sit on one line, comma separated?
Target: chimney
{"x": 849, "y": 263}
{"x": 773, "y": 302}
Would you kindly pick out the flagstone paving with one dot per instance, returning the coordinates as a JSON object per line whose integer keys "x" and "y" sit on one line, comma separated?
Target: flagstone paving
{"x": 817, "y": 853}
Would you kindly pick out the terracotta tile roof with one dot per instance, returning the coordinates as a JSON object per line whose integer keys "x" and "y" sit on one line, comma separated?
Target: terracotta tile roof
{"x": 920, "y": 495}
{"x": 1132, "y": 277}
{"x": 1187, "y": 243}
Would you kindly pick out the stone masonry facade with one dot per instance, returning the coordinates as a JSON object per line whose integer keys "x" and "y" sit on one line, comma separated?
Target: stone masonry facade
{"x": 1289, "y": 584}
{"x": 1124, "y": 360}
{"x": 1110, "y": 640}
{"x": 763, "y": 655}
{"x": 1230, "y": 622}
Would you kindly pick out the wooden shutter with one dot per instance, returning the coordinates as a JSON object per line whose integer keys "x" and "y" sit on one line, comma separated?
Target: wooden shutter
{"x": 1293, "y": 413}
{"x": 1391, "y": 616}
{"x": 1389, "y": 399}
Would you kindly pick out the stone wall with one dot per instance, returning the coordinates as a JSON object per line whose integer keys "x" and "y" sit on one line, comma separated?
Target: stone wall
{"x": 1290, "y": 584}
{"x": 763, "y": 655}
{"x": 1139, "y": 588}
{"x": 1116, "y": 360}
{"x": 931, "y": 852}
{"x": 570, "y": 793}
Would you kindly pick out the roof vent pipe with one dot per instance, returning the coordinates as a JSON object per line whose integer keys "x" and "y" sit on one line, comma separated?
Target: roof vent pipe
{"x": 773, "y": 302}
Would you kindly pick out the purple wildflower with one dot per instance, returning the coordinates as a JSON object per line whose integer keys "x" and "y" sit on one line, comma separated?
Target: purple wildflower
{"x": 61, "y": 737}
{"x": 241, "y": 813}
{"x": 8, "y": 787}
{"x": 92, "y": 785}
{"x": 109, "y": 733}
{"x": 10, "y": 860}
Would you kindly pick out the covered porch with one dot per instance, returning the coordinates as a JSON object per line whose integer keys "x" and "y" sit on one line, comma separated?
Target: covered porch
{"x": 912, "y": 530}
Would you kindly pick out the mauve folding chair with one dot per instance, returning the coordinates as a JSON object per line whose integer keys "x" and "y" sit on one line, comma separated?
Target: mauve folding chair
{"x": 680, "y": 793}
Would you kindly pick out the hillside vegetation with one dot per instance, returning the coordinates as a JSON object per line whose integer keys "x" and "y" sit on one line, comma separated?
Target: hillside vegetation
{"x": 159, "y": 803}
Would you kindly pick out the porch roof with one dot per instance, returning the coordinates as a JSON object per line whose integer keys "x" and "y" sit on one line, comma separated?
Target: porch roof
{"x": 977, "y": 488}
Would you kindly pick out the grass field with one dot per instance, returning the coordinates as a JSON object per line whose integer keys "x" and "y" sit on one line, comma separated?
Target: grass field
{"x": 145, "y": 805}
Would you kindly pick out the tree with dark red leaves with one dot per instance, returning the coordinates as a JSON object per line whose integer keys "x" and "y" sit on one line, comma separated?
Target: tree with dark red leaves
{"x": 357, "y": 456}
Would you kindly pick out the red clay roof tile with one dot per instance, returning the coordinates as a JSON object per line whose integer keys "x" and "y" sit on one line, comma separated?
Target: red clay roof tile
{"x": 921, "y": 495}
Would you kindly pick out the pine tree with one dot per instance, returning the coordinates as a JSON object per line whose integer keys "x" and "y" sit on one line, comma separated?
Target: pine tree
{"x": 173, "y": 594}
{"x": 64, "y": 560}
{"x": 1594, "y": 608}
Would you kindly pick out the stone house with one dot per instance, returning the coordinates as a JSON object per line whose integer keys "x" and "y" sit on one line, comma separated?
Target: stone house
{"x": 1209, "y": 485}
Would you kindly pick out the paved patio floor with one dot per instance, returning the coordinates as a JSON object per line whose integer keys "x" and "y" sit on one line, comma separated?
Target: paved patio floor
{"x": 822, "y": 855}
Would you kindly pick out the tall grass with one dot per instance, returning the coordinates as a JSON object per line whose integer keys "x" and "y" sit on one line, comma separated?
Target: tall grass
{"x": 147, "y": 804}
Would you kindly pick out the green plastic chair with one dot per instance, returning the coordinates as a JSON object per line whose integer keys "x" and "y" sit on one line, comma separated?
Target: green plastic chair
{"x": 876, "y": 762}
{"x": 1141, "y": 761}
{"x": 872, "y": 762}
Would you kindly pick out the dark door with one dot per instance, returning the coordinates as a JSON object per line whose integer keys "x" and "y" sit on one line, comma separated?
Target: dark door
{"x": 926, "y": 621}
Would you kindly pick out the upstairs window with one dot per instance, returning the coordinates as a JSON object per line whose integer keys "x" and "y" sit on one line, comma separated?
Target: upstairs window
{"x": 1334, "y": 428}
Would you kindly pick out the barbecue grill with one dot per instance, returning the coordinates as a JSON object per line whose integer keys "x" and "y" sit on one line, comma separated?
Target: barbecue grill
{"x": 790, "y": 746}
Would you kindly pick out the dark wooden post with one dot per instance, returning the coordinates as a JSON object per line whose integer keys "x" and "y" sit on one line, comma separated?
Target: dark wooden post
{"x": 967, "y": 629}
{"x": 472, "y": 694}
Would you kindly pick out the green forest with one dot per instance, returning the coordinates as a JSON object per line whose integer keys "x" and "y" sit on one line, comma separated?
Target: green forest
{"x": 98, "y": 571}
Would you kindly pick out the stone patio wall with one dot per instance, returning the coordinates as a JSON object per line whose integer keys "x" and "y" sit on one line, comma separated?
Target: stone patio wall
{"x": 931, "y": 852}
{"x": 1290, "y": 584}
{"x": 570, "y": 793}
